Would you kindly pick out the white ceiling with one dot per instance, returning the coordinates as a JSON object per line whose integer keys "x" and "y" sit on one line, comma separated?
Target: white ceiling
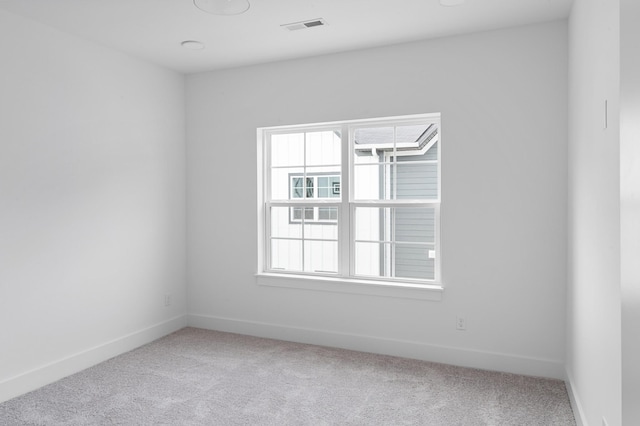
{"x": 154, "y": 29}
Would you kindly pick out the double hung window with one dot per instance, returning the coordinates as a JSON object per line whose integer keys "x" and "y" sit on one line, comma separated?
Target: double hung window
{"x": 356, "y": 199}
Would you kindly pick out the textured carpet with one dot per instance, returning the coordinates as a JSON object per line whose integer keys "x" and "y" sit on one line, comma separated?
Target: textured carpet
{"x": 200, "y": 377}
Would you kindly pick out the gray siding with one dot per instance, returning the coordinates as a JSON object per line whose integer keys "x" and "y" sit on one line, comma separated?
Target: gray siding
{"x": 415, "y": 225}
{"x": 412, "y": 224}
{"x": 412, "y": 262}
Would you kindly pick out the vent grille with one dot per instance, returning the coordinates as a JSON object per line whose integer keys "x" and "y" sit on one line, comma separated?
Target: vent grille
{"x": 294, "y": 26}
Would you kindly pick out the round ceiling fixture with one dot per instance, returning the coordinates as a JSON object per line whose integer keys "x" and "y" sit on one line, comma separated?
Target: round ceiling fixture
{"x": 451, "y": 2}
{"x": 192, "y": 45}
{"x": 223, "y": 7}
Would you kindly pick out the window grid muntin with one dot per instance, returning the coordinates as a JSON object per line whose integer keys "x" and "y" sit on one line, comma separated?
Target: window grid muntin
{"x": 345, "y": 215}
{"x": 302, "y": 203}
{"x": 302, "y": 239}
{"x": 393, "y": 164}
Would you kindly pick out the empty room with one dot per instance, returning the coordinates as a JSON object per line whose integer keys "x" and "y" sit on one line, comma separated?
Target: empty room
{"x": 320, "y": 212}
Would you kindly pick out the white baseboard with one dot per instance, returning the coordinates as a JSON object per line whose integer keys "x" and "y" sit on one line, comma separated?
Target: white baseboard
{"x": 56, "y": 370}
{"x": 416, "y": 350}
{"x": 576, "y": 406}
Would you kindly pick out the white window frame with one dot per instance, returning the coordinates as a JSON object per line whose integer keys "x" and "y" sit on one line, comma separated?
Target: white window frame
{"x": 346, "y": 206}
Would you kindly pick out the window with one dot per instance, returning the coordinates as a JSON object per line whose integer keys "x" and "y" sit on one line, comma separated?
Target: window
{"x": 356, "y": 199}
{"x": 317, "y": 186}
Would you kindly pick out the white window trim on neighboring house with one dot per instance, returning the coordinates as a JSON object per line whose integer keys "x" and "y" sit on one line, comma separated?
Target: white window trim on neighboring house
{"x": 345, "y": 280}
{"x": 315, "y": 194}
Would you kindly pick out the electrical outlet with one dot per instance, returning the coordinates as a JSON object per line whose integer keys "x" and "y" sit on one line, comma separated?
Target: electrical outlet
{"x": 461, "y": 323}
{"x": 167, "y": 299}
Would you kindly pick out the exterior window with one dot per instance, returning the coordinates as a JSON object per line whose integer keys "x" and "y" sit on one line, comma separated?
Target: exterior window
{"x": 356, "y": 199}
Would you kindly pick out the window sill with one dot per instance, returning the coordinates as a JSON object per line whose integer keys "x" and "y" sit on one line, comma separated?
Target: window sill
{"x": 401, "y": 290}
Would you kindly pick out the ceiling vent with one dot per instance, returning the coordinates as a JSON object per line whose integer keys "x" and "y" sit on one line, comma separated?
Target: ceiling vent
{"x": 305, "y": 24}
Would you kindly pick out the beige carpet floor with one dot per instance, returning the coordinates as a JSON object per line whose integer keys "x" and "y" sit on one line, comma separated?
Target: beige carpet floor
{"x": 201, "y": 377}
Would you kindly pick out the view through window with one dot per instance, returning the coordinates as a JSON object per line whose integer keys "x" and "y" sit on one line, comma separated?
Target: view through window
{"x": 356, "y": 199}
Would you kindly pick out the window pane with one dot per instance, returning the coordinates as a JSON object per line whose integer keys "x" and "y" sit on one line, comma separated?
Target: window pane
{"x": 300, "y": 187}
{"x": 323, "y": 148}
{"x": 334, "y": 187}
{"x": 287, "y": 150}
{"x": 406, "y": 224}
{"x": 416, "y": 181}
{"x": 372, "y": 182}
{"x": 414, "y": 224}
{"x": 328, "y": 186}
{"x": 373, "y": 259}
{"x": 405, "y": 155}
{"x": 412, "y": 135}
{"x": 327, "y": 213}
{"x": 296, "y": 214}
{"x": 412, "y": 261}
{"x": 371, "y": 144}
{"x": 323, "y": 187}
{"x": 392, "y": 160}
{"x": 321, "y": 256}
{"x": 309, "y": 187}
{"x": 286, "y": 254}
{"x": 297, "y": 187}
{"x": 309, "y": 213}
{"x": 395, "y": 260}
{"x": 378, "y": 144}
{"x": 369, "y": 223}
{"x": 321, "y": 230}
{"x": 373, "y": 136}
{"x": 282, "y": 181}
{"x": 286, "y": 222}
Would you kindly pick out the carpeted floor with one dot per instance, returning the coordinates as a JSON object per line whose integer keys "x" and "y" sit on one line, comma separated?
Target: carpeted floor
{"x": 200, "y": 377}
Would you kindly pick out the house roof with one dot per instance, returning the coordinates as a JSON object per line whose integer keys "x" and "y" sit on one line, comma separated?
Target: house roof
{"x": 408, "y": 139}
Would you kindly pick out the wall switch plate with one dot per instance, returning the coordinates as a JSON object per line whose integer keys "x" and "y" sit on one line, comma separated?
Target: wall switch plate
{"x": 461, "y": 323}
{"x": 167, "y": 299}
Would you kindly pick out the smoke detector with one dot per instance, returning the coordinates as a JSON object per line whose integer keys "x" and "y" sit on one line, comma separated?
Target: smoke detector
{"x": 222, "y": 7}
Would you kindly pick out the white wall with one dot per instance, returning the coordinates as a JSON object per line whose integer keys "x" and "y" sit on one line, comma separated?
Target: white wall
{"x": 630, "y": 207}
{"x": 92, "y": 203}
{"x": 503, "y": 99}
{"x": 593, "y": 309}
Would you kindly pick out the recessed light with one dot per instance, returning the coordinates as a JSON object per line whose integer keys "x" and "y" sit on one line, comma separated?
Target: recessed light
{"x": 451, "y": 2}
{"x": 192, "y": 45}
{"x": 223, "y": 7}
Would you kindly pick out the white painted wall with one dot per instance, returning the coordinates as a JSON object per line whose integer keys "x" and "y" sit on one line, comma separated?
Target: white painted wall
{"x": 503, "y": 99}
{"x": 593, "y": 309}
{"x": 92, "y": 203}
{"x": 630, "y": 207}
